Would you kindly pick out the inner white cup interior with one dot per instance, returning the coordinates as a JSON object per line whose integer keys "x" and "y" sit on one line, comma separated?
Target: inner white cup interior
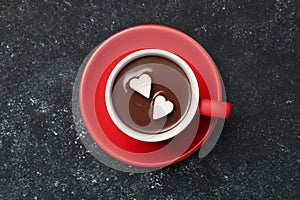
{"x": 184, "y": 122}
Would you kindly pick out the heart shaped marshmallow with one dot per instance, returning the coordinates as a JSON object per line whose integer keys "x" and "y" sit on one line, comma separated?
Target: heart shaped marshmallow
{"x": 142, "y": 85}
{"x": 162, "y": 107}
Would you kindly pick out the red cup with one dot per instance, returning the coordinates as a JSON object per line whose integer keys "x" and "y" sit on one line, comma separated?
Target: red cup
{"x": 92, "y": 95}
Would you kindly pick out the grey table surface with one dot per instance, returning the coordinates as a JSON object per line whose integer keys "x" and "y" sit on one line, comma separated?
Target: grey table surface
{"x": 255, "y": 45}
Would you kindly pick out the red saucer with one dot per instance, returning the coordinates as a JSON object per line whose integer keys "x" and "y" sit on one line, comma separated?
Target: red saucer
{"x": 92, "y": 89}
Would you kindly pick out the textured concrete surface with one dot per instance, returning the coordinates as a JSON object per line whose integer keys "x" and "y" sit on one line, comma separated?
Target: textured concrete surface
{"x": 256, "y": 47}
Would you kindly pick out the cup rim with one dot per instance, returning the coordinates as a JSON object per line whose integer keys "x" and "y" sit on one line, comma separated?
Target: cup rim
{"x": 182, "y": 124}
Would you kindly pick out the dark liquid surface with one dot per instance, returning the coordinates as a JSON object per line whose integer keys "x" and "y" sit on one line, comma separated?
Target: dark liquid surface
{"x": 168, "y": 80}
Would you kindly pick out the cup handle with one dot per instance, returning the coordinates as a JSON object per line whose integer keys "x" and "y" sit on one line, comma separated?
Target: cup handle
{"x": 216, "y": 109}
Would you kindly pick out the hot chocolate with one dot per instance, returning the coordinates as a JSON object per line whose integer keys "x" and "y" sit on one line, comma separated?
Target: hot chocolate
{"x": 151, "y": 95}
